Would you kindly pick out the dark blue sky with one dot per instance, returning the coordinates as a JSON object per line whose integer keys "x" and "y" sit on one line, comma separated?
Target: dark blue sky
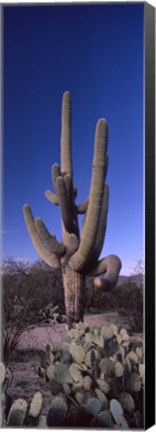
{"x": 95, "y": 52}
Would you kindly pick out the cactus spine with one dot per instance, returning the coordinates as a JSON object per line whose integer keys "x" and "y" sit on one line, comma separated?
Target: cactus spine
{"x": 77, "y": 255}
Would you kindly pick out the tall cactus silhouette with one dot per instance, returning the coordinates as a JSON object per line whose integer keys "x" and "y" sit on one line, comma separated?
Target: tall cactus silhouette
{"x": 77, "y": 255}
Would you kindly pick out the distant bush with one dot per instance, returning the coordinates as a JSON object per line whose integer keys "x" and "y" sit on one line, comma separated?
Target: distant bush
{"x": 26, "y": 289}
{"x": 126, "y": 299}
{"x": 37, "y": 284}
{"x": 15, "y": 318}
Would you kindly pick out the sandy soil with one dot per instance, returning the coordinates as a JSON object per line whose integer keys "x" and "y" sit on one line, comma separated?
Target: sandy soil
{"x": 39, "y": 336}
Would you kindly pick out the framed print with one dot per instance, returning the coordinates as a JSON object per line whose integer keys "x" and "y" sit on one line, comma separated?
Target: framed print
{"x": 78, "y": 255}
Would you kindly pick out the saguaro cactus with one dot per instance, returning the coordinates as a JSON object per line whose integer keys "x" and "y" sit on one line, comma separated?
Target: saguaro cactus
{"x": 77, "y": 255}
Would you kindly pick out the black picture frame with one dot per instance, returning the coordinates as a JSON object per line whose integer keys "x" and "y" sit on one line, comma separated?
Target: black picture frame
{"x": 149, "y": 300}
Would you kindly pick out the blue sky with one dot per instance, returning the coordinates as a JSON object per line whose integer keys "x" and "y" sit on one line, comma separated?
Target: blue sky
{"x": 96, "y": 53}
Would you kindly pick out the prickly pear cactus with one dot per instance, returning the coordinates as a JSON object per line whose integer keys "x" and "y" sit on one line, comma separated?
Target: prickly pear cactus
{"x": 103, "y": 390}
{"x": 17, "y": 412}
{"x": 133, "y": 383}
{"x": 57, "y": 412}
{"x": 36, "y": 405}
{"x": 77, "y": 255}
{"x": 16, "y": 418}
{"x": 117, "y": 413}
{"x": 127, "y": 402}
{"x": 2, "y": 373}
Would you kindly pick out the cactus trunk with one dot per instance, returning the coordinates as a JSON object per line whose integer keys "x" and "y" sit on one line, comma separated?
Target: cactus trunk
{"x": 74, "y": 291}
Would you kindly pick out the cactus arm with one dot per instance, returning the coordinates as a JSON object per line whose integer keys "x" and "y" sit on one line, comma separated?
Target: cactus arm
{"x": 71, "y": 205}
{"x": 110, "y": 266}
{"x": 55, "y": 173}
{"x": 101, "y": 228}
{"x": 102, "y": 224}
{"x": 50, "y": 240}
{"x": 51, "y": 259}
{"x": 64, "y": 205}
{"x": 71, "y": 242}
{"x": 52, "y": 197}
{"x": 82, "y": 208}
{"x": 66, "y": 157}
{"x": 69, "y": 190}
{"x": 81, "y": 258}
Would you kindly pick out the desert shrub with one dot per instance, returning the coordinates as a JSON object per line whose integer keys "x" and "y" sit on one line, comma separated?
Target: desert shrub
{"x": 135, "y": 319}
{"x": 133, "y": 308}
{"x": 126, "y": 299}
{"x": 37, "y": 283}
{"x": 50, "y": 314}
{"x": 15, "y": 306}
{"x": 25, "y": 291}
{"x": 45, "y": 286}
{"x": 15, "y": 318}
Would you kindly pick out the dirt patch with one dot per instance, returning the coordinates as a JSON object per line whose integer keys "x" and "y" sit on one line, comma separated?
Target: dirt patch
{"x": 38, "y": 337}
{"x": 25, "y": 379}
